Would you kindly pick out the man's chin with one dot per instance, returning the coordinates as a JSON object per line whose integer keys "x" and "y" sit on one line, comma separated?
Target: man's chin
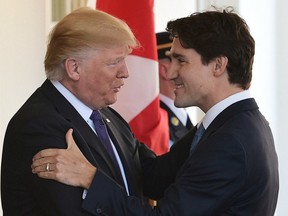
{"x": 112, "y": 101}
{"x": 180, "y": 103}
{"x": 177, "y": 103}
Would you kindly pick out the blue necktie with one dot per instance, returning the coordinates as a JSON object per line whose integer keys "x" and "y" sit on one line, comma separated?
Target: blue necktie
{"x": 102, "y": 133}
{"x": 197, "y": 137}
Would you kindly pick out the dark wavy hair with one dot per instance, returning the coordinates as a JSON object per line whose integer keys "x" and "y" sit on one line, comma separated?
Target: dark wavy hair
{"x": 213, "y": 34}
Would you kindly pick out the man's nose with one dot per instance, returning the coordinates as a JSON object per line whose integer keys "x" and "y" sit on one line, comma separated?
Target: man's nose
{"x": 123, "y": 71}
{"x": 171, "y": 71}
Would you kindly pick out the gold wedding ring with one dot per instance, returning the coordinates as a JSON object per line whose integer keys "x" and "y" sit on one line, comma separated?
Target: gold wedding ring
{"x": 47, "y": 168}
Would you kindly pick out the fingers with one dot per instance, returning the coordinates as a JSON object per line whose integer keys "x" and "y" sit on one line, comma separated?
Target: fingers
{"x": 69, "y": 139}
{"x": 46, "y": 153}
{"x": 53, "y": 156}
{"x": 45, "y": 167}
{"x": 46, "y": 175}
{"x": 43, "y": 164}
{"x": 51, "y": 174}
{"x": 39, "y": 162}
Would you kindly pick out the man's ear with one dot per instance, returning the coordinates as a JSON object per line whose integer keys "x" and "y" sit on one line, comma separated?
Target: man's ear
{"x": 220, "y": 65}
{"x": 72, "y": 69}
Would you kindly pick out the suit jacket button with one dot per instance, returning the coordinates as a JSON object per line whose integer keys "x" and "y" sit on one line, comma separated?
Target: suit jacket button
{"x": 99, "y": 210}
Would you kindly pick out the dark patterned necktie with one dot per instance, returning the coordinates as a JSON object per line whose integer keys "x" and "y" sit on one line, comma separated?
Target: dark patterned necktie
{"x": 102, "y": 133}
{"x": 197, "y": 137}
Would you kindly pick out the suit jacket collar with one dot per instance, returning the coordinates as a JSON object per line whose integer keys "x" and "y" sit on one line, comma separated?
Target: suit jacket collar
{"x": 127, "y": 150}
{"x": 224, "y": 116}
{"x": 80, "y": 127}
{"x": 229, "y": 112}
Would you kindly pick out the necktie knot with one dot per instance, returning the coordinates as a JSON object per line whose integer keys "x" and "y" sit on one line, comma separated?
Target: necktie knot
{"x": 96, "y": 116}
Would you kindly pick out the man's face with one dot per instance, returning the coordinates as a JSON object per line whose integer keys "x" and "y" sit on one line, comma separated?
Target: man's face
{"x": 192, "y": 79}
{"x": 101, "y": 77}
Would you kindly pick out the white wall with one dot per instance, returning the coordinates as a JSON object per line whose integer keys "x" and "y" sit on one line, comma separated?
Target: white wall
{"x": 168, "y": 10}
{"x": 23, "y": 38}
{"x": 22, "y": 42}
{"x": 281, "y": 107}
{"x": 266, "y": 19}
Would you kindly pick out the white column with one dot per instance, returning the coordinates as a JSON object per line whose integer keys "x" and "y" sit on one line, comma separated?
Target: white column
{"x": 280, "y": 71}
{"x": 22, "y": 33}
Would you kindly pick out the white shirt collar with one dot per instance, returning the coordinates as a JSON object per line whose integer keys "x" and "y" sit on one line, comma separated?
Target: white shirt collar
{"x": 220, "y": 106}
{"x": 81, "y": 108}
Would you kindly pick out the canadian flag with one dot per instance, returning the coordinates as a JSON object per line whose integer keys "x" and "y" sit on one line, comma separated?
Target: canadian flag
{"x": 138, "y": 101}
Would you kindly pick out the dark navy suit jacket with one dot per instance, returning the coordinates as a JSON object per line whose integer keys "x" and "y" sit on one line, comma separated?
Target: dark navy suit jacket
{"x": 41, "y": 123}
{"x": 233, "y": 171}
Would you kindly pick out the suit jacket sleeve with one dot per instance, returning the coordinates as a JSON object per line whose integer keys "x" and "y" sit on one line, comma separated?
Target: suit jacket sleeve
{"x": 233, "y": 171}
{"x": 56, "y": 198}
{"x": 203, "y": 187}
{"x": 30, "y": 135}
{"x": 160, "y": 172}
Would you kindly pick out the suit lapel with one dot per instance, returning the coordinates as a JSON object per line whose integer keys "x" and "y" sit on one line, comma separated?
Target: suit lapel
{"x": 225, "y": 115}
{"x": 117, "y": 137}
{"x": 85, "y": 137}
{"x": 228, "y": 113}
{"x": 125, "y": 151}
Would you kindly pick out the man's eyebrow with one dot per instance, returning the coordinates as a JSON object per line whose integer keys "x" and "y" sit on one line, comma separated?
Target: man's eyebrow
{"x": 176, "y": 55}
{"x": 116, "y": 59}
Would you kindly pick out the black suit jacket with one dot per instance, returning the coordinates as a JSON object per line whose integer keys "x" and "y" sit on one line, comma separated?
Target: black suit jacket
{"x": 233, "y": 171}
{"x": 41, "y": 123}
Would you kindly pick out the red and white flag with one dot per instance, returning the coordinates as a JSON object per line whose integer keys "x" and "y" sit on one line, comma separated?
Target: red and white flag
{"x": 138, "y": 101}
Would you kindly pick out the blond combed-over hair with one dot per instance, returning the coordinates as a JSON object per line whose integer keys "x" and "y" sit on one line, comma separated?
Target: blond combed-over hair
{"x": 81, "y": 31}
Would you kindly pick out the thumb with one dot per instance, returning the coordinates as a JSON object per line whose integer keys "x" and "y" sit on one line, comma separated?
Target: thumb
{"x": 69, "y": 139}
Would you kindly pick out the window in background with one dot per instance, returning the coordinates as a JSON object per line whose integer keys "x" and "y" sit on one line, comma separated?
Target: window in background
{"x": 61, "y": 8}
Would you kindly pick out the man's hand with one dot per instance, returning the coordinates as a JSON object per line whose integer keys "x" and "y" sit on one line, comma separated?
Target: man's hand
{"x": 68, "y": 166}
